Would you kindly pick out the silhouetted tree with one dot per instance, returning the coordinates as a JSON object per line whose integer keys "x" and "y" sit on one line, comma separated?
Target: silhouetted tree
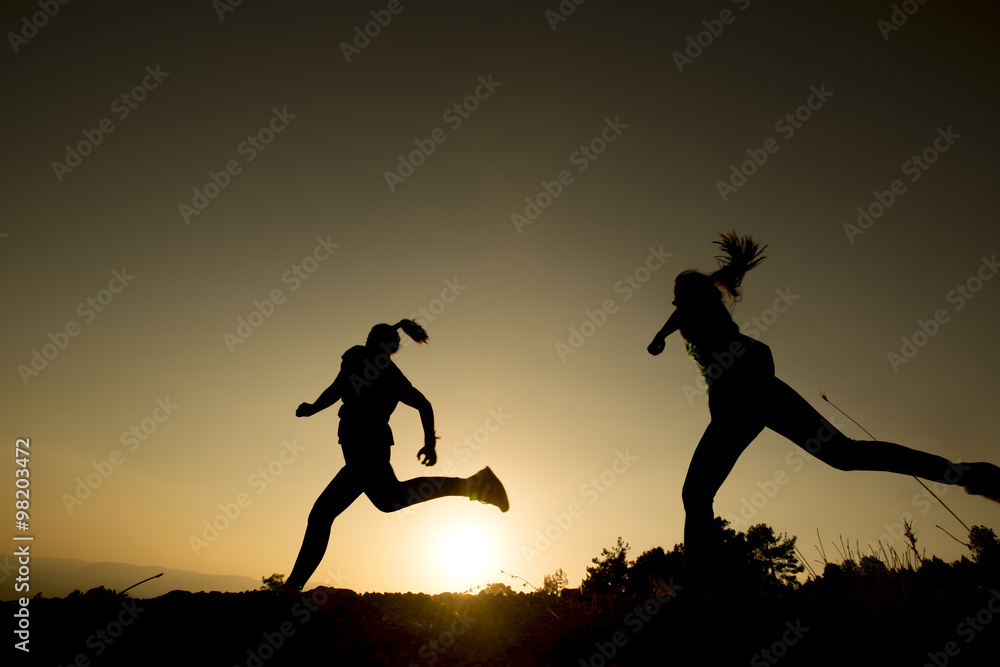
{"x": 985, "y": 552}
{"x": 272, "y": 583}
{"x": 984, "y": 546}
{"x": 775, "y": 553}
{"x": 735, "y": 567}
{"x": 756, "y": 560}
{"x": 610, "y": 571}
{"x": 553, "y": 583}
{"x": 753, "y": 561}
{"x": 498, "y": 589}
{"x": 655, "y": 565}
{"x": 870, "y": 566}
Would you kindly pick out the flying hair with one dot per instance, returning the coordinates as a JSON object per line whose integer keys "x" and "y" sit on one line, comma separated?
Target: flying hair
{"x": 413, "y": 330}
{"x": 740, "y": 255}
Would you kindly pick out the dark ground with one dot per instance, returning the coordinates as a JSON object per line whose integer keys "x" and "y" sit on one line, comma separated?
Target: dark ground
{"x": 817, "y": 626}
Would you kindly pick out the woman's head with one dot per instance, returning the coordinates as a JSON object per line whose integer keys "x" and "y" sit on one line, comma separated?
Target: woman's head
{"x": 385, "y": 337}
{"x": 741, "y": 255}
{"x": 694, "y": 287}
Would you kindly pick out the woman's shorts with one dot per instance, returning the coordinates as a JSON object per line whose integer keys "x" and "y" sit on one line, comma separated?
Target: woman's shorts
{"x": 364, "y": 433}
{"x": 744, "y": 360}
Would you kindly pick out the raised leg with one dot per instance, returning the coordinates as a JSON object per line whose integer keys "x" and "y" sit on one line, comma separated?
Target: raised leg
{"x": 790, "y": 415}
{"x": 387, "y": 493}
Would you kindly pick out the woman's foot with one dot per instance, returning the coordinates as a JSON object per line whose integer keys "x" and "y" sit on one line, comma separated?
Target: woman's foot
{"x": 289, "y": 589}
{"x": 485, "y": 487}
{"x": 983, "y": 480}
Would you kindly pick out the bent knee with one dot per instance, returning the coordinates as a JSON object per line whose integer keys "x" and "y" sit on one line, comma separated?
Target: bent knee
{"x": 321, "y": 516}
{"x": 386, "y": 506}
{"x": 387, "y": 501}
{"x": 695, "y": 498}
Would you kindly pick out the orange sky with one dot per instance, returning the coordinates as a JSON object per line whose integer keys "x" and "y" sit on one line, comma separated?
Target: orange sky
{"x": 529, "y": 193}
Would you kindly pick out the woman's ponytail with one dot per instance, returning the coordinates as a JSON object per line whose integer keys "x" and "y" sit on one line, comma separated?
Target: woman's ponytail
{"x": 413, "y": 330}
{"x": 741, "y": 255}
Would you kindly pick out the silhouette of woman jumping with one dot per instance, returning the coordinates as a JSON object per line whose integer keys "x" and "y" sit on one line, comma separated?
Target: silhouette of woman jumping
{"x": 744, "y": 396}
{"x": 370, "y": 385}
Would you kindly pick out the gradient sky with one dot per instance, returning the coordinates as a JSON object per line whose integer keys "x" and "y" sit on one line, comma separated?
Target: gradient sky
{"x": 499, "y": 296}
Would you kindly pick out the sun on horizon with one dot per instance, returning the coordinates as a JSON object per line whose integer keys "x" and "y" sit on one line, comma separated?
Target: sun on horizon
{"x": 463, "y": 555}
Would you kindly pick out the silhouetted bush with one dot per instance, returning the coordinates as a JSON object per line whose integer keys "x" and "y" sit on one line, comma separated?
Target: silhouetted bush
{"x": 272, "y": 583}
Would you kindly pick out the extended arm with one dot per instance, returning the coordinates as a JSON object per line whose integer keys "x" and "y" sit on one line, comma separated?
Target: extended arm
{"x": 331, "y": 395}
{"x": 672, "y": 325}
{"x": 413, "y": 398}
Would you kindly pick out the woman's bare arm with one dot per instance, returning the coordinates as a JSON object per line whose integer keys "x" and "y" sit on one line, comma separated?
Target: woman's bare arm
{"x": 672, "y": 325}
{"x": 330, "y": 395}
{"x": 413, "y": 398}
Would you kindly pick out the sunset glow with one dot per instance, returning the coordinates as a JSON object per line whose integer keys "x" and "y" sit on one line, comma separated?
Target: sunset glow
{"x": 466, "y": 556}
{"x": 205, "y": 212}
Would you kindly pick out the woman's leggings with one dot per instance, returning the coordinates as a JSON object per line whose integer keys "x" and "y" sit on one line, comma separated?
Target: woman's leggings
{"x": 740, "y": 411}
{"x": 366, "y": 470}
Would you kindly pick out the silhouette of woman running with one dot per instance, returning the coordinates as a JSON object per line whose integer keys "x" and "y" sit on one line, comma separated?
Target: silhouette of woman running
{"x": 370, "y": 386}
{"x": 744, "y": 396}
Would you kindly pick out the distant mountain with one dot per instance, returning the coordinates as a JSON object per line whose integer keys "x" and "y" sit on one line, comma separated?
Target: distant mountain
{"x": 58, "y": 577}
